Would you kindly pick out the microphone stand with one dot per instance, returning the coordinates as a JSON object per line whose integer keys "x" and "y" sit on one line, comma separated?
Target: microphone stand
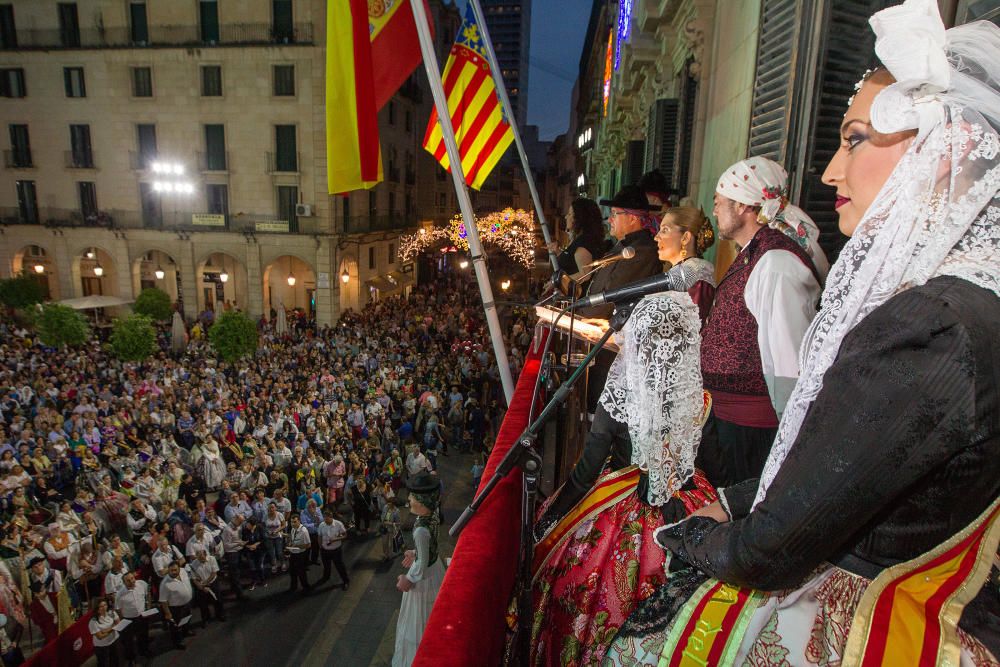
{"x": 525, "y": 456}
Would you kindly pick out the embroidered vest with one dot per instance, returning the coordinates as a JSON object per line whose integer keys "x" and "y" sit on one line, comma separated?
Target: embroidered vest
{"x": 730, "y": 356}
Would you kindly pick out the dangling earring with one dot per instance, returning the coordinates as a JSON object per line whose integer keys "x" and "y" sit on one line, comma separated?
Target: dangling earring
{"x": 684, "y": 254}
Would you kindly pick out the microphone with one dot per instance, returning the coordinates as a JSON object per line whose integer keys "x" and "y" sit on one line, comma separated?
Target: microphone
{"x": 625, "y": 252}
{"x": 661, "y": 283}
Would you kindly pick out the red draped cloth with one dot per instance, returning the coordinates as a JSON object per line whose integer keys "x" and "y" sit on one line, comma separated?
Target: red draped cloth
{"x": 71, "y": 648}
{"x": 467, "y": 624}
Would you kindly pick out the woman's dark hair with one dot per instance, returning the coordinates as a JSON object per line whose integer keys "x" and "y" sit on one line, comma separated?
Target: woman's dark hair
{"x": 587, "y": 221}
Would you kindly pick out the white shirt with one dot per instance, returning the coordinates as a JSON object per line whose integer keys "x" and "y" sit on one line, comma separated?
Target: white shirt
{"x": 781, "y": 294}
{"x": 176, "y": 592}
{"x": 106, "y": 622}
{"x": 205, "y": 573}
{"x": 132, "y": 602}
{"x": 194, "y": 545}
{"x": 163, "y": 559}
{"x": 112, "y": 581}
{"x": 300, "y": 540}
{"x": 331, "y": 535}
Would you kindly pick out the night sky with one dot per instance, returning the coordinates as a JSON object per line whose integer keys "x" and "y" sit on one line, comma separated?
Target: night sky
{"x": 558, "y": 28}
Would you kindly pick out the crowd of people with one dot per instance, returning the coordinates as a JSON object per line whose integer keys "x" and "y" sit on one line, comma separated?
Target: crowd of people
{"x": 129, "y": 487}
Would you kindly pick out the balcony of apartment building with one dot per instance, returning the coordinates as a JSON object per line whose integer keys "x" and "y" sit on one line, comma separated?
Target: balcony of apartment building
{"x": 227, "y": 34}
{"x": 380, "y": 223}
{"x": 165, "y": 215}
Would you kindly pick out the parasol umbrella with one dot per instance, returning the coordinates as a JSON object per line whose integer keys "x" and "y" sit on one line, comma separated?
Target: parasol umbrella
{"x": 178, "y": 333}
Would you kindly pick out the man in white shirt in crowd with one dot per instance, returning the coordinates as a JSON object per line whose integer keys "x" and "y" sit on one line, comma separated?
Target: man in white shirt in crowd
{"x": 202, "y": 540}
{"x": 115, "y": 577}
{"x": 176, "y": 594}
{"x": 232, "y": 546}
{"x": 164, "y": 555}
{"x": 131, "y": 600}
{"x": 762, "y": 308}
{"x": 283, "y": 504}
{"x": 205, "y": 577}
{"x": 331, "y": 538}
{"x": 299, "y": 544}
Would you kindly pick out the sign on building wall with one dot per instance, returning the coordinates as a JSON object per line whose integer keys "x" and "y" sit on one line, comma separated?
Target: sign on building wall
{"x": 322, "y": 280}
{"x": 271, "y": 226}
{"x": 208, "y": 220}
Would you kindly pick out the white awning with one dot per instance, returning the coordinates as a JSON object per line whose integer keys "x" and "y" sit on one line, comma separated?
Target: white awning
{"x": 95, "y": 301}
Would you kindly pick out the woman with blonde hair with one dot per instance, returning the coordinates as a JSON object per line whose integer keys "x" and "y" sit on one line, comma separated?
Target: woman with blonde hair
{"x": 684, "y": 237}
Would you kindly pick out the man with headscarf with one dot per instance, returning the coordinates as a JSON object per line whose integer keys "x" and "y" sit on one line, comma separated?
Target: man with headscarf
{"x": 763, "y": 306}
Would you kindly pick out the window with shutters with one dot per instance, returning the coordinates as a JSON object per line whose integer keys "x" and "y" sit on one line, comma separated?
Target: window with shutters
{"x": 20, "y": 146}
{"x": 88, "y": 199}
{"x": 74, "y": 82}
{"x": 661, "y": 137}
{"x": 146, "y": 134}
{"x": 27, "y": 201}
{"x": 69, "y": 24}
{"x": 12, "y": 82}
{"x": 635, "y": 161}
{"x": 81, "y": 152}
{"x": 138, "y": 23}
{"x": 208, "y": 21}
{"x": 845, "y": 53}
{"x": 142, "y": 82}
{"x": 211, "y": 81}
{"x": 217, "y": 195}
{"x": 287, "y": 158}
{"x": 8, "y": 30}
{"x": 686, "y": 130}
{"x": 772, "y": 89}
{"x": 215, "y": 148}
{"x": 284, "y": 80}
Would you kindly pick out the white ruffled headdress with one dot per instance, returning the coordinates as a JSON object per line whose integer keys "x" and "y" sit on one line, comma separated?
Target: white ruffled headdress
{"x": 654, "y": 386}
{"x": 938, "y": 213}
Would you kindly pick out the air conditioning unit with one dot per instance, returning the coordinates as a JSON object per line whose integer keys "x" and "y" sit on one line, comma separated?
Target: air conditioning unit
{"x": 303, "y": 210}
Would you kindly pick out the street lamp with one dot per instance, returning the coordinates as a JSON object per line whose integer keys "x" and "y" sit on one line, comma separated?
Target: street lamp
{"x": 464, "y": 264}
{"x": 345, "y": 277}
{"x": 98, "y": 270}
{"x": 39, "y": 268}
{"x": 291, "y": 280}
{"x": 223, "y": 276}
{"x": 159, "y": 273}
{"x": 505, "y": 285}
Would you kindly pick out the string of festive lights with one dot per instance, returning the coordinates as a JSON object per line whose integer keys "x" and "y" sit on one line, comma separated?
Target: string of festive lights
{"x": 511, "y": 230}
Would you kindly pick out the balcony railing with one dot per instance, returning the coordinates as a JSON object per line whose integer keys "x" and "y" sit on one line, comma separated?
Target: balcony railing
{"x": 377, "y": 223}
{"x": 214, "y": 163}
{"x": 17, "y": 159}
{"x": 79, "y": 160}
{"x": 170, "y": 35}
{"x": 283, "y": 166}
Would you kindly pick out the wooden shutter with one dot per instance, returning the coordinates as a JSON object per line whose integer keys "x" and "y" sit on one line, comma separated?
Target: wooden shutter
{"x": 772, "y": 90}
{"x": 661, "y": 135}
{"x": 635, "y": 161}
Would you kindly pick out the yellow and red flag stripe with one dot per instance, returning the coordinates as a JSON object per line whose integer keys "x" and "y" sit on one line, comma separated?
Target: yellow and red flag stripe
{"x": 909, "y": 615}
{"x": 352, "y": 143}
{"x": 395, "y": 45}
{"x": 482, "y": 129}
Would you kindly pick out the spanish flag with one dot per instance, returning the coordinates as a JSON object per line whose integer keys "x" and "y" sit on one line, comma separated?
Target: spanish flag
{"x": 395, "y": 45}
{"x": 482, "y": 129}
{"x": 352, "y": 147}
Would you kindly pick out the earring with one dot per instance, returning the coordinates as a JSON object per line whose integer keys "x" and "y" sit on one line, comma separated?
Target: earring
{"x": 684, "y": 254}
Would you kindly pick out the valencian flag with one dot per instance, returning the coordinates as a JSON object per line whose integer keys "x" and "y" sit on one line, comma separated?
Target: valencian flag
{"x": 482, "y": 129}
{"x": 371, "y": 48}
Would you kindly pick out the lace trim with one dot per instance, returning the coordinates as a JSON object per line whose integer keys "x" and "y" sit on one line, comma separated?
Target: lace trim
{"x": 655, "y": 387}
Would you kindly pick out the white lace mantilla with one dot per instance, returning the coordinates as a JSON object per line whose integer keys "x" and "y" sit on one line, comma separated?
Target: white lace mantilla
{"x": 937, "y": 215}
{"x": 654, "y": 386}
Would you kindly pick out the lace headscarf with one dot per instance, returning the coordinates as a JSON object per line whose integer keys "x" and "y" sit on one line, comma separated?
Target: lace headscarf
{"x": 938, "y": 213}
{"x": 654, "y": 386}
{"x": 758, "y": 181}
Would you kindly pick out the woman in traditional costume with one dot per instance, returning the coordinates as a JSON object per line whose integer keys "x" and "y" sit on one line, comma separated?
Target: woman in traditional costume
{"x": 598, "y": 561}
{"x": 211, "y": 465}
{"x": 870, "y": 534}
{"x": 684, "y": 236}
{"x": 421, "y": 582}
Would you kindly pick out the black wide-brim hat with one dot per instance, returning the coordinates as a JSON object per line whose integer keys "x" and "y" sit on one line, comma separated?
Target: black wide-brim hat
{"x": 630, "y": 197}
{"x": 424, "y": 482}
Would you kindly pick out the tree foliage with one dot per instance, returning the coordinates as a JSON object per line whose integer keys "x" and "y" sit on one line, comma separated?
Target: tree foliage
{"x": 154, "y": 303}
{"x": 234, "y": 336}
{"x": 60, "y": 325}
{"x": 133, "y": 338}
{"x": 20, "y": 292}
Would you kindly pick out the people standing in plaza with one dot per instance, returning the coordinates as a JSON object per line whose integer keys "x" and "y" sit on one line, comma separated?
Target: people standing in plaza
{"x": 332, "y": 534}
{"x": 205, "y": 577}
{"x": 422, "y": 580}
{"x": 299, "y": 544}
{"x": 763, "y": 306}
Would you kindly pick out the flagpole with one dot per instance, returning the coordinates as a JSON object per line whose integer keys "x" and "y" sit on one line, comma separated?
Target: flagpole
{"x": 505, "y": 101}
{"x": 465, "y": 203}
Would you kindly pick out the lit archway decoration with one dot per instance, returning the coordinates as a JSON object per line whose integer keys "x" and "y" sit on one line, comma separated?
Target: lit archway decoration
{"x": 511, "y": 230}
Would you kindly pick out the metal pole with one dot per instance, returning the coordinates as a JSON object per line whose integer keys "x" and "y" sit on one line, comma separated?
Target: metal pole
{"x": 505, "y": 101}
{"x": 465, "y": 203}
